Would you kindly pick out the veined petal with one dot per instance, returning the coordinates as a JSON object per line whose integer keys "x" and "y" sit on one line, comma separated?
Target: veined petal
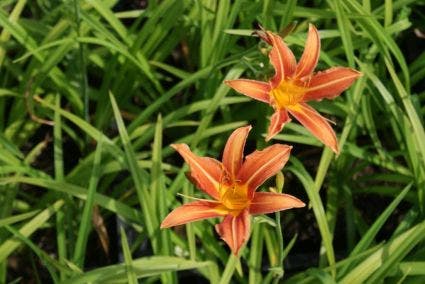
{"x": 282, "y": 59}
{"x": 193, "y": 211}
{"x": 268, "y": 202}
{"x": 316, "y": 124}
{"x": 277, "y": 121}
{"x": 233, "y": 151}
{"x": 234, "y": 230}
{"x": 207, "y": 172}
{"x": 310, "y": 55}
{"x": 330, "y": 83}
{"x": 254, "y": 89}
{"x": 260, "y": 165}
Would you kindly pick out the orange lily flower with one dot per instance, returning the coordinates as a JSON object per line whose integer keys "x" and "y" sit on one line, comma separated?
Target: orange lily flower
{"x": 232, "y": 184}
{"x": 295, "y": 84}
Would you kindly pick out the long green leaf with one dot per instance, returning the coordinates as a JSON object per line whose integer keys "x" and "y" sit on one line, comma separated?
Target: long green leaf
{"x": 298, "y": 169}
{"x": 84, "y": 229}
{"x": 382, "y": 259}
{"x": 28, "y": 229}
{"x": 140, "y": 183}
{"x": 142, "y": 267}
{"x": 106, "y": 202}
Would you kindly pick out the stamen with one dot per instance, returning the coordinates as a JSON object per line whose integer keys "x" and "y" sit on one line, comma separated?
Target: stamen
{"x": 195, "y": 198}
{"x": 289, "y": 93}
{"x": 235, "y": 196}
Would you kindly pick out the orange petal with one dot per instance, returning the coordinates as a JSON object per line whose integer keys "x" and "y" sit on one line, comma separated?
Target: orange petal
{"x": 207, "y": 172}
{"x": 255, "y": 89}
{"x": 316, "y": 124}
{"x": 235, "y": 230}
{"x": 282, "y": 59}
{"x": 268, "y": 202}
{"x": 310, "y": 55}
{"x": 190, "y": 212}
{"x": 330, "y": 83}
{"x": 260, "y": 165}
{"x": 277, "y": 121}
{"x": 233, "y": 152}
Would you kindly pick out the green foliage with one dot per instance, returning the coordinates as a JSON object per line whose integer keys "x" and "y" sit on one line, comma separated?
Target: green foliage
{"x": 92, "y": 93}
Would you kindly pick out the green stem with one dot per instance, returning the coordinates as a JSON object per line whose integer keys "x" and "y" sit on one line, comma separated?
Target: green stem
{"x": 256, "y": 254}
{"x": 279, "y": 273}
{"x": 189, "y": 227}
{"x": 229, "y": 269}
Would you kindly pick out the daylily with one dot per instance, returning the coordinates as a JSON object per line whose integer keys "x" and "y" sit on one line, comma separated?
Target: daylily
{"x": 232, "y": 184}
{"x": 295, "y": 84}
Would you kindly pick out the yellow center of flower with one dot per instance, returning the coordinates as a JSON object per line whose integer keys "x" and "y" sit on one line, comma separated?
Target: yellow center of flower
{"x": 288, "y": 94}
{"x": 234, "y": 197}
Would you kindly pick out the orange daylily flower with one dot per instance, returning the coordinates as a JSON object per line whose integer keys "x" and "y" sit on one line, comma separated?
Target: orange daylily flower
{"x": 232, "y": 184}
{"x": 295, "y": 84}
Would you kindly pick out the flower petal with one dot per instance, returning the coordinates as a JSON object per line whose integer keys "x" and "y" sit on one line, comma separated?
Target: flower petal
{"x": 277, "y": 121}
{"x": 260, "y": 165}
{"x": 268, "y": 202}
{"x": 310, "y": 55}
{"x": 254, "y": 89}
{"x": 330, "y": 83}
{"x": 233, "y": 151}
{"x": 193, "y": 211}
{"x": 234, "y": 230}
{"x": 207, "y": 172}
{"x": 282, "y": 59}
{"x": 316, "y": 124}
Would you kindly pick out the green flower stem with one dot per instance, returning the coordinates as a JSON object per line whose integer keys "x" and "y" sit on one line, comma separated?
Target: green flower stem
{"x": 279, "y": 272}
{"x": 256, "y": 254}
{"x": 187, "y": 190}
{"x": 229, "y": 269}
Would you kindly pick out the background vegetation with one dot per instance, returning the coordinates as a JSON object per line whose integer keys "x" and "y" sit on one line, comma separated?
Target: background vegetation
{"x": 92, "y": 93}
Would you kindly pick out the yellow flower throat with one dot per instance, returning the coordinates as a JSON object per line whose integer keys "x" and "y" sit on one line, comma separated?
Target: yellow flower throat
{"x": 288, "y": 94}
{"x": 234, "y": 197}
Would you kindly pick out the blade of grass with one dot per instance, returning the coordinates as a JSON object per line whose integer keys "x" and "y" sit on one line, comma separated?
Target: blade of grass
{"x": 17, "y": 218}
{"x": 298, "y": 169}
{"x": 85, "y": 228}
{"x": 28, "y": 229}
{"x": 103, "y": 9}
{"x": 104, "y": 201}
{"x": 82, "y": 65}
{"x": 190, "y": 232}
{"x": 388, "y": 19}
{"x": 370, "y": 235}
{"x": 148, "y": 111}
{"x": 256, "y": 254}
{"x": 49, "y": 262}
{"x": 344, "y": 26}
{"x": 86, "y": 127}
{"x": 288, "y": 13}
{"x": 142, "y": 267}
{"x": 128, "y": 260}
{"x": 378, "y": 263}
{"x": 5, "y": 34}
{"x": 24, "y": 38}
{"x": 158, "y": 188}
{"x": 61, "y": 221}
{"x": 221, "y": 92}
{"x": 10, "y": 149}
{"x": 411, "y": 268}
{"x": 378, "y": 35}
{"x": 143, "y": 194}
{"x": 416, "y": 122}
